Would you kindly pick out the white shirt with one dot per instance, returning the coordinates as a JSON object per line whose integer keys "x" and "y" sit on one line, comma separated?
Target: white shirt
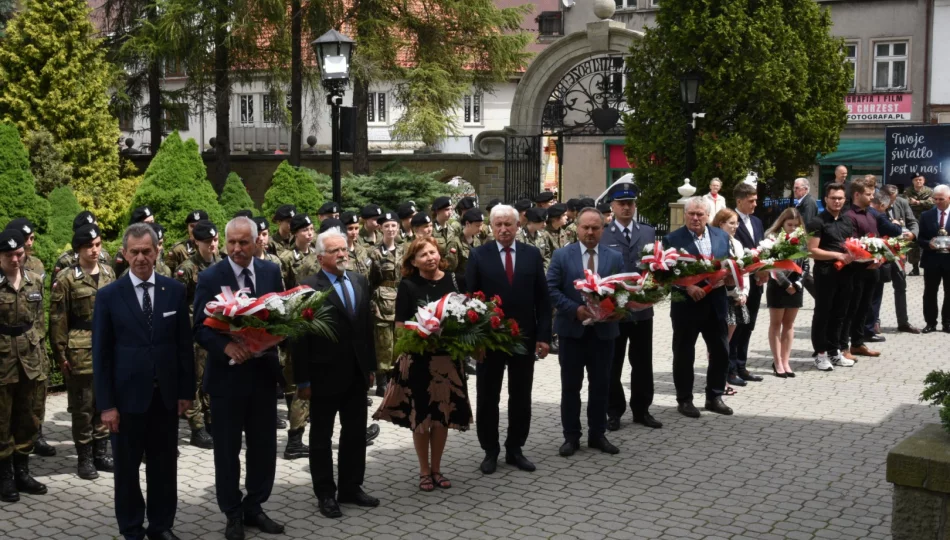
{"x": 237, "y": 269}
{"x": 501, "y": 251}
{"x": 140, "y": 291}
{"x": 621, "y": 228}
{"x": 747, "y": 222}
{"x": 585, "y": 257}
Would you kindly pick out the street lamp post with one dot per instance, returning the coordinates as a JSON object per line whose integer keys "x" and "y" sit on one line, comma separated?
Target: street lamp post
{"x": 689, "y": 94}
{"x": 334, "y": 51}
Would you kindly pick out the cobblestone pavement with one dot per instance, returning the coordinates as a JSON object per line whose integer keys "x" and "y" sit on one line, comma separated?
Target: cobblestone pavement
{"x": 802, "y": 458}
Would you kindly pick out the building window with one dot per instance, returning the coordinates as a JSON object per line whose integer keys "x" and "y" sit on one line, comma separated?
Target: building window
{"x": 550, "y": 23}
{"x": 246, "y": 104}
{"x": 273, "y": 114}
{"x": 654, "y": 3}
{"x": 173, "y": 68}
{"x": 472, "y": 109}
{"x": 126, "y": 120}
{"x": 617, "y": 77}
{"x": 851, "y": 62}
{"x": 890, "y": 66}
{"x": 376, "y": 108}
{"x": 176, "y": 117}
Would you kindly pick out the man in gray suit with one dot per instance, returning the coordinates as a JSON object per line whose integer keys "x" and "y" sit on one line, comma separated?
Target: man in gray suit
{"x": 808, "y": 209}
{"x": 898, "y": 210}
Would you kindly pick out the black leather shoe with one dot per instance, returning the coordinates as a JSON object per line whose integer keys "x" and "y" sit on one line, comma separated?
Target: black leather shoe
{"x": 601, "y": 443}
{"x": 735, "y": 380}
{"x": 371, "y": 433}
{"x": 369, "y": 401}
{"x": 329, "y": 507}
{"x": 489, "y": 464}
{"x": 164, "y": 535}
{"x": 908, "y": 328}
{"x": 717, "y": 406}
{"x": 688, "y": 409}
{"x": 263, "y": 523}
{"x": 748, "y": 377}
{"x": 518, "y": 460}
{"x": 928, "y": 329}
{"x": 914, "y": 272}
{"x": 569, "y": 447}
{"x": 201, "y": 439}
{"x": 647, "y": 420}
{"x": 613, "y": 424}
{"x": 359, "y": 498}
{"x": 234, "y": 530}
{"x": 876, "y": 338}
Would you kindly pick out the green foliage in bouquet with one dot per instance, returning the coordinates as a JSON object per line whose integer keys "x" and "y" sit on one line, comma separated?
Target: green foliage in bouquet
{"x": 234, "y": 197}
{"x": 937, "y": 392}
{"x": 310, "y": 316}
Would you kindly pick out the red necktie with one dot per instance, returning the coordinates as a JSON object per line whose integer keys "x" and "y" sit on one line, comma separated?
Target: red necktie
{"x": 943, "y": 219}
{"x": 509, "y": 266}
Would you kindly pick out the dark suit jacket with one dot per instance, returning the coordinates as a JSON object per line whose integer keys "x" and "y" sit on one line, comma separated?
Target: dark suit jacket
{"x": 928, "y": 230}
{"x": 642, "y": 235}
{"x": 566, "y": 266}
{"x": 527, "y": 300}
{"x": 128, "y": 358}
{"x": 716, "y": 299}
{"x": 901, "y": 209}
{"x": 222, "y": 379}
{"x": 808, "y": 208}
{"x": 330, "y": 366}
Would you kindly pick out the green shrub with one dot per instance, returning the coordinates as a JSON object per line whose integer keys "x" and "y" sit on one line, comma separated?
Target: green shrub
{"x": 46, "y": 161}
{"x": 18, "y": 196}
{"x": 392, "y": 185}
{"x": 65, "y": 206}
{"x": 234, "y": 197}
{"x": 296, "y": 186}
{"x": 13, "y": 155}
{"x": 937, "y": 392}
{"x": 176, "y": 183}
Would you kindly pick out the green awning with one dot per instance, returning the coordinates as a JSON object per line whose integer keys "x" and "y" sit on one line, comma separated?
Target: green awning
{"x": 856, "y": 152}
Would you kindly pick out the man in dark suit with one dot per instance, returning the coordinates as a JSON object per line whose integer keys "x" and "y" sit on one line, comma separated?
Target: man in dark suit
{"x": 936, "y": 264}
{"x": 242, "y": 392}
{"x": 517, "y": 276}
{"x": 898, "y": 210}
{"x": 700, "y": 313}
{"x": 144, "y": 376}
{"x": 749, "y": 234}
{"x": 584, "y": 345}
{"x": 804, "y": 202}
{"x": 335, "y": 375}
{"x": 629, "y": 237}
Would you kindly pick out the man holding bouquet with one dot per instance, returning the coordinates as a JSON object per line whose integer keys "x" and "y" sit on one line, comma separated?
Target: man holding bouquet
{"x": 584, "y": 344}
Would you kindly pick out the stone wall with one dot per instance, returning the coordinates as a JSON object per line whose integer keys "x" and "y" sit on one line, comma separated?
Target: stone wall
{"x": 919, "y": 468}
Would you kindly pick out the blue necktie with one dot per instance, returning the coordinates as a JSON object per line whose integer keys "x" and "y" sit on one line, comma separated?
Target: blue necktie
{"x": 248, "y": 282}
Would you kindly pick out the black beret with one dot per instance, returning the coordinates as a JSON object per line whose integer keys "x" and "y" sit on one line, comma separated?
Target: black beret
{"x": 159, "y": 230}
{"x": 285, "y": 211}
{"x": 406, "y": 210}
{"x": 471, "y": 216}
{"x": 244, "y": 213}
{"x": 329, "y": 208}
{"x": 371, "y": 211}
{"x": 85, "y": 235}
{"x": 492, "y": 203}
{"x": 556, "y": 210}
{"x": 261, "y": 222}
{"x": 604, "y": 208}
{"x": 466, "y": 203}
{"x": 523, "y": 205}
{"x": 300, "y": 221}
{"x": 205, "y": 230}
{"x": 441, "y": 203}
{"x": 536, "y": 215}
{"x": 586, "y": 202}
{"x": 195, "y": 216}
{"x": 574, "y": 204}
{"x": 83, "y": 218}
{"x": 544, "y": 197}
{"x": 11, "y": 240}
{"x": 23, "y": 225}
{"x": 387, "y": 216}
{"x": 420, "y": 220}
{"x": 139, "y": 214}
{"x": 349, "y": 218}
{"x": 329, "y": 223}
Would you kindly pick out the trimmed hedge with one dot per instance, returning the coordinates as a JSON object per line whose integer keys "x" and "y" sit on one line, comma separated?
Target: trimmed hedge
{"x": 234, "y": 197}
{"x": 296, "y": 186}
{"x": 18, "y": 196}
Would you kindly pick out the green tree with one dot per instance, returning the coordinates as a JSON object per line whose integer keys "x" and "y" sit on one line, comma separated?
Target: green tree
{"x": 46, "y": 161}
{"x": 773, "y": 89}
{"x": 393, "y": 185}
{"x": 235, "y": 197}
{"x": 6, "y": 13}
{"x": 55, "y": 77}
{"x": 18, "y": 196}
{"x": 296, "y": 186}
{"x": 65, "y": 206}
{"x": 175, "y": 184}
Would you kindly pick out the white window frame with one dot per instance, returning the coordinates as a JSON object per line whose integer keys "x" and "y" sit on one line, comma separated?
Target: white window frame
{"x": 855, "y": 61}
{"x": 476, "y": 118}
{"x": 373, "y": 109}
{"x": 249, "y": 99}
{"x": 654, "y": 3}
{"x": 890, "y": 59}
{"x": 278, "y": 112}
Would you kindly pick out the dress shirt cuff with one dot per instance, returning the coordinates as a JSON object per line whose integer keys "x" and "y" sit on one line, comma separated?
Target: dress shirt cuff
{"x": 303, "y": 385}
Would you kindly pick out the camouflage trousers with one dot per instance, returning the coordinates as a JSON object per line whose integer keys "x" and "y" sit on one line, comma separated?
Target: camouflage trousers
{"x": 199, "y": 414}
{"x": 385, "y": 345}
{"x": 913, "y": 256}
{"x": 19, "y": 425}
{"x": 81, "y": 404}
{"x": 299, "y": 408}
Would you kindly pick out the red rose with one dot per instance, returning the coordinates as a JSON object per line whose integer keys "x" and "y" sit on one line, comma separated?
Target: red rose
{"x": 496, "y": 299}
{"x": 307, "y": 314}
{"x": 495, "y": 322}
{"x": 515, "y": 331}
{"x": 479, "y": 295}
{"x": 794, "y": 241}
{"x": 871, "y": 235}
{"x": 472, "y": 316}
{"x": 263, "y": 314}
{"x": 499, "y": 312}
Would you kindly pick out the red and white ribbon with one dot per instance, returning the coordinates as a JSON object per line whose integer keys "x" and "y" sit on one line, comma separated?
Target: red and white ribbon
{"x": 429, "y": 320}
{"x": 230, "y": 304}
{"x": 594, "y": 284}
{"x": 662, "y": 259}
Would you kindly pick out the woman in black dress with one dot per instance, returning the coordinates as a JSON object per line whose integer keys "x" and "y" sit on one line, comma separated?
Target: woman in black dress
{"x": 427, "y": 393}
{"x": 784, "y": 297}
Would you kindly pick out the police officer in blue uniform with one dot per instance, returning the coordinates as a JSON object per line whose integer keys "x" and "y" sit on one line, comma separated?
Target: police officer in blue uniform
{"x": 628, "y": 237}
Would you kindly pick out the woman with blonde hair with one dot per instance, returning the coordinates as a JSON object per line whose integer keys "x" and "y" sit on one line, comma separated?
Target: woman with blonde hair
{"x": 728, "y": 221}
{"x": 783, "y": 296}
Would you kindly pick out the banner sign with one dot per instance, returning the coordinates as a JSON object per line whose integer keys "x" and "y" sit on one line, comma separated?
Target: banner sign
{"x": 913, "y": 150}
{"x": 878, "y": 107}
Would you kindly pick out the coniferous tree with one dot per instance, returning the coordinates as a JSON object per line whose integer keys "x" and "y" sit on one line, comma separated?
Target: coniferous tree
{"x": 6, "y": 13}
{"x": 234, "y": 196}
{"x": 18, "y": 196}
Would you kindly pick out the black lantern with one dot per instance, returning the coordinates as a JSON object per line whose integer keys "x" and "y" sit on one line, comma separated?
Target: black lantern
{"x": 334, "y": 51}
{"x": 689, "y": 88}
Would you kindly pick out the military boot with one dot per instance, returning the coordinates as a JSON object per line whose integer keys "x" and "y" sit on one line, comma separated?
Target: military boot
{"x": 102, "y": 458}
{"x": 86, "y": 469}
{"x": 382, "y": 383}
{"x": 295, "y": 446}
{"x": 25, "y": 482}
{"x": 281, "y": 424}
{"x": 43, "y": 448}
{"x": 201, "y": 439}
{"x": 8, "y": 491}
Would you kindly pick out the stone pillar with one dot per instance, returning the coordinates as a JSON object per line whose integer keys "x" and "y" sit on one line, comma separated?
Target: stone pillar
{"x": 919, "y": 468}
{"x": 677, "y": 217}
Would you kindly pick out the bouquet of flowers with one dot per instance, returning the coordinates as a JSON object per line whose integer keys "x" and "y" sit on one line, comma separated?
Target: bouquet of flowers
{"x": 262, "y": 323}
{"x": 679, "y": 268}
{"x": 617, "y": 294}
{"x": 776, "y": 252}
{"x": 858, "y": 248}
{"x": 898, "y": 247}
{"x": 460, "y": 325}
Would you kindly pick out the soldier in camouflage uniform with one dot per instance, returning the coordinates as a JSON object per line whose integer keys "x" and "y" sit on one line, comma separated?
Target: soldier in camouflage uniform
{"x": 23, "y": 368}
{"x": 455, "y": 223}
{"x": 384, "y": 275}
{"x": 460, "y": 247}
{"x": 405, "y": 212}
{"x": 301, "y": 226}
{"x": 441, "y": 231}
{"x": 263, "y": 241}
{"x": 70, "y": 331}
{"x": 69, "y": 257}
{"x": 921, "y": 199}
{"x": 370, "y": 234}
{"x": 142, "y": 214}
{"x": 554, "y": 225}
{"x": 284, "y": 239}
{"x": 328, "y": 210}
{"x": 35, "y": 265}
{"x": 184, "y": 249}
{"x": 534, "y": 234}
{"x": 522, "y": 207}
{"x": 358, "y": 259}
{"x": 206, "y": 254}
{"x": 421, "y": 225}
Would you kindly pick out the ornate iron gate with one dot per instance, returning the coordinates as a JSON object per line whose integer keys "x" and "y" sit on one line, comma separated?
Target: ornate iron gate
{"x": 522, "y": 167}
